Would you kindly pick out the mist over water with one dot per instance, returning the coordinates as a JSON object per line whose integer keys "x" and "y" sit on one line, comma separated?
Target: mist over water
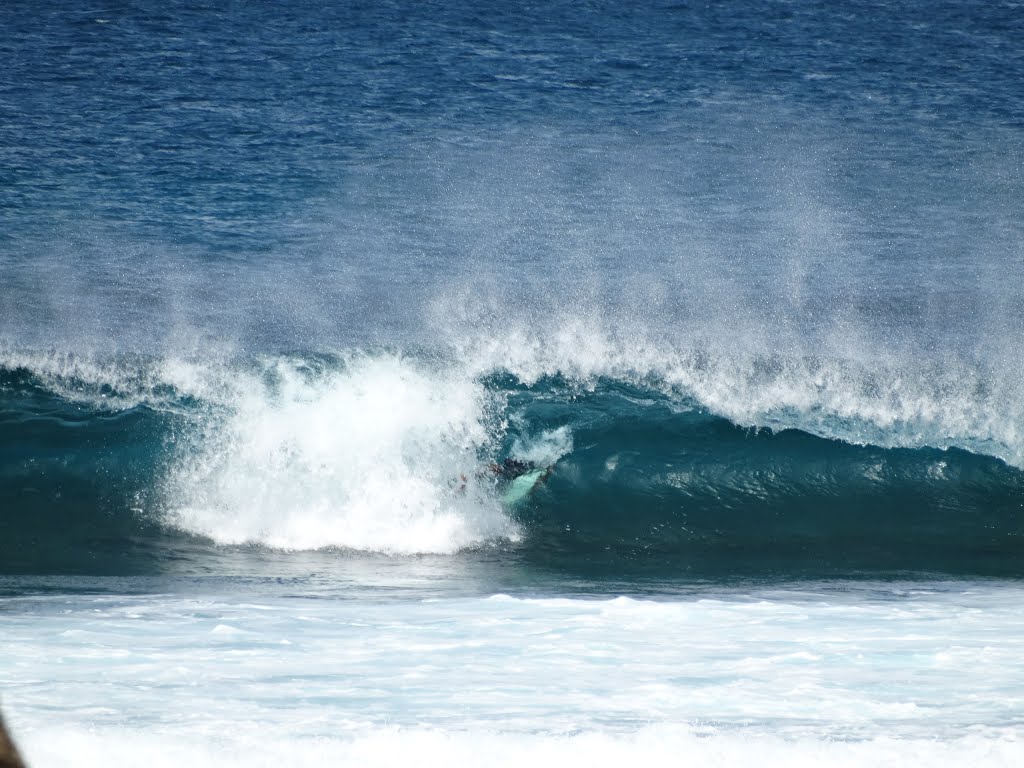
{"x": 797, "y": 246}
{"x": 837, "y": 193}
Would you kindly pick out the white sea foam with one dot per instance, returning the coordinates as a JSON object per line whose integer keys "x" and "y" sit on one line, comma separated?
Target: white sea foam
{"x": 545, "y": 448}
{"x": 381, "y": 455}
{"x": 858, "y": 675}
{"x": 396, "y": 747}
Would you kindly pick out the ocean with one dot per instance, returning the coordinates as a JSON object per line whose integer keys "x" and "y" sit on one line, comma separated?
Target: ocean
{"x": 284, "y": 287}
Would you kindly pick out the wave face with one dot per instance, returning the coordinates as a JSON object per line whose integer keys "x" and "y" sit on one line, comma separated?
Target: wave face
{"x": 695, "y": 466}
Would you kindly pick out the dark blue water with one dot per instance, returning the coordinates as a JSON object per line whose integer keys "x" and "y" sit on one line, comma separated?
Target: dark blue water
{"x": 757, "y": 272}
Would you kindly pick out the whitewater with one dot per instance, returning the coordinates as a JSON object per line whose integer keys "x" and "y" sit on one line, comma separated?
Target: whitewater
{"x": 807, "y": 676}
{"x": 286, "y": 291}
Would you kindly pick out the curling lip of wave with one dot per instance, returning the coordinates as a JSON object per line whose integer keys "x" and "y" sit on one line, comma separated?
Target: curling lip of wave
{"x": 861, "y": 398}
{"x": 882, "y": 402}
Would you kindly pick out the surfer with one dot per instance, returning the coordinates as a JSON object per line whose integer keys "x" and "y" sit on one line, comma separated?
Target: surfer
{"x": 505, "y": 472}
{"x": 510, "y": 469}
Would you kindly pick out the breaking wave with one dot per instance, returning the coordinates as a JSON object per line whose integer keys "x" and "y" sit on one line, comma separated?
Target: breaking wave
{"x": 690, "y": 459}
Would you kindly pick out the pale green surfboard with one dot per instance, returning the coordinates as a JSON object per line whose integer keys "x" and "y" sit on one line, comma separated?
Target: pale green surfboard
{"x": 521, "y": 487}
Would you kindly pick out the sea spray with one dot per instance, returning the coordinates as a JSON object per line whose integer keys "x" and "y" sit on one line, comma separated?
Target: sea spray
{"x": 379, "y": 454}
{"x": 844, "y": 391}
